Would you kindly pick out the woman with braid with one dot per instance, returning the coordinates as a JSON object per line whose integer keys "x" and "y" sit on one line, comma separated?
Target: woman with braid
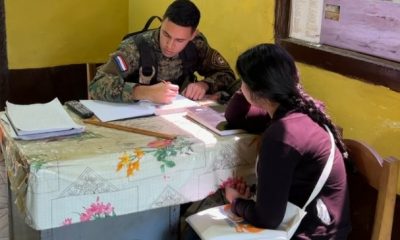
{"x": 293, "y": 150}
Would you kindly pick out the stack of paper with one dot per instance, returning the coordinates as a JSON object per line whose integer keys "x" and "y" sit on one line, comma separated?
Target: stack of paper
{"x": 108, "y": 111}
{"x": 37, "y": 121}
{"x": 179, "y": 104}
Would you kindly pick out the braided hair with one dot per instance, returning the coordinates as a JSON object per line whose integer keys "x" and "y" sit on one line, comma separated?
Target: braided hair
{"x": 270, "y": 73}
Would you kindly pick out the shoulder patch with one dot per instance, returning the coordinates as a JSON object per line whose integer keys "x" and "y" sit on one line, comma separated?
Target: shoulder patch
{"x": 217, "y": 60}
{"x": 121, "y": 63}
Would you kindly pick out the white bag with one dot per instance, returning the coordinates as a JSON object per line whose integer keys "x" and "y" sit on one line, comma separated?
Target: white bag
{"x": 219, "y": 223}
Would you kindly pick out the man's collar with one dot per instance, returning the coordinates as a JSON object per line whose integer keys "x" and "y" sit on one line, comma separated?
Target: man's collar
{"x": 156, "y": 39}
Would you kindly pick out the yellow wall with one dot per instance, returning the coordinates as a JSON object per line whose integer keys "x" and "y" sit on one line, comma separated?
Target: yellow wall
{"x": 44, "y": 33}
{"x": 230, "y": 30}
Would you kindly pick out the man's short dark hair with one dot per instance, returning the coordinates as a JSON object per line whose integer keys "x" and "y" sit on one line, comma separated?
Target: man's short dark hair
{"x": 183, "y": 13}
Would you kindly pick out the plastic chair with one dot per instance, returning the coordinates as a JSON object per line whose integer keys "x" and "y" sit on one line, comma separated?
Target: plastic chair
{"x": 380, "y": 174}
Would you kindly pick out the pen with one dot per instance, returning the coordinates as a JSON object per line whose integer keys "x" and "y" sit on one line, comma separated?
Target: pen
{"x": 129, "y": 129}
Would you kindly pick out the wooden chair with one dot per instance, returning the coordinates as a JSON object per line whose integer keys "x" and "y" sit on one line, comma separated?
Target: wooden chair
{"x": 381, "y": 175}
{"x": 90, "y": 72}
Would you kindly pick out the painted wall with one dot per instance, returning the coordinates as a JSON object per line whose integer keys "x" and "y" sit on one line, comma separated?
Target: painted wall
{"x": 230, "y": 30}
{"x": 45, "y": 33}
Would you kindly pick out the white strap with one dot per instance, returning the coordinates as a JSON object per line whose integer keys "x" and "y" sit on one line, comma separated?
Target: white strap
{"x": 325, "y": 173}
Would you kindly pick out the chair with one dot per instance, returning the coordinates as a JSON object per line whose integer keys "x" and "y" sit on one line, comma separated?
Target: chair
{"x": 90, "y": 73}
{"x": 381, "y": 175}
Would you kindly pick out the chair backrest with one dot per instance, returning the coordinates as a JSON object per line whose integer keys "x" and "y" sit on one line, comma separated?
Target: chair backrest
{"x": 91, "y": 69}
{"x": 382, "y": 175}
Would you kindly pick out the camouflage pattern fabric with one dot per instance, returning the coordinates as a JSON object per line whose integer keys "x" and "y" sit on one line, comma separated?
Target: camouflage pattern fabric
{"x": 109, "y": 85}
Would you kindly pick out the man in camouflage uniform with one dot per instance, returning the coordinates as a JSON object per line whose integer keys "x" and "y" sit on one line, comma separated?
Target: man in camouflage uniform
{"x": 177, "y": 32}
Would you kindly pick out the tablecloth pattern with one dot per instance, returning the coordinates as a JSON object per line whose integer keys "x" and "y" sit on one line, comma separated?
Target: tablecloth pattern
{"x": 106, "y": 173}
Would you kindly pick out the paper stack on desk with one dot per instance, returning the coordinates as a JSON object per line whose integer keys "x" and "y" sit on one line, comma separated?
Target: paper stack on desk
{"x": 179, "y": 104}
{"x": 109, "y": 111}
{"x": 40, "y": 120}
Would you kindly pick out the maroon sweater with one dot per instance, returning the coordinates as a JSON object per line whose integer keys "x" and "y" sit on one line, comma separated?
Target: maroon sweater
{"x": 293, "y": 152}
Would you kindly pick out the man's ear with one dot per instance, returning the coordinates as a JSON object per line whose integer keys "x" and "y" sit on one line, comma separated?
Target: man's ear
{"x": 194, "y": 34}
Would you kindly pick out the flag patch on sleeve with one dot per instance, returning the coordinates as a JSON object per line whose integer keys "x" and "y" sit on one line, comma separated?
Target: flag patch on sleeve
{"x": 120, "y": 61}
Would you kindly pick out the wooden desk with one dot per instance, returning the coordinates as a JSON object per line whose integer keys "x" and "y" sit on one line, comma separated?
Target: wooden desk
{"x": 109, "y": 175}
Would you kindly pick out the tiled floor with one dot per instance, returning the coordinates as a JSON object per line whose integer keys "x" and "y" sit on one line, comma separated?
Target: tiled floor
{"x": 4, "y": 234}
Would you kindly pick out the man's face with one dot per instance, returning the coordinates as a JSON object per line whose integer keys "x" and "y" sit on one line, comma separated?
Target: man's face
{"x": 174, "y": 38}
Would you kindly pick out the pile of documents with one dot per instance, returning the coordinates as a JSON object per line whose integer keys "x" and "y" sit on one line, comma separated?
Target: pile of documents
{"x": 108, "y": 111}
{"x": 38, "y": 121}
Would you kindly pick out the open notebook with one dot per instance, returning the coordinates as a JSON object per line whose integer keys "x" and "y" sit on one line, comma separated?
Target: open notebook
{"x": 212, "y": 119}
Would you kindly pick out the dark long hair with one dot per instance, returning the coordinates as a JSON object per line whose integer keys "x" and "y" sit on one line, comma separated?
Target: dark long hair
{"x": 270, "y": 73}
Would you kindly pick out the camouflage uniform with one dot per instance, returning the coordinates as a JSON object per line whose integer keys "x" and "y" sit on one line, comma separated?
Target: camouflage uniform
{"x": 109, "y": 84}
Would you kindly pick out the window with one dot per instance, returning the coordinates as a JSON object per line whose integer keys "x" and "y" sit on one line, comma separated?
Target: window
{"x": 367, "y": 68}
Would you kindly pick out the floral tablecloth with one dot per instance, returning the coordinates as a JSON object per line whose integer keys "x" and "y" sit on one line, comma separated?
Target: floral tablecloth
{"x": 106, "y": 173}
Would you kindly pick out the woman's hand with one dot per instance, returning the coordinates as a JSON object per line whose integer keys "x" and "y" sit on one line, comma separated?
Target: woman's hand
{"x": 236, "y": 188}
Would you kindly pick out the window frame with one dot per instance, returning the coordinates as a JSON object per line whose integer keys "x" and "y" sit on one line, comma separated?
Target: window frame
{"x": 353, "y": 64}
{"x": 3, "y": 58}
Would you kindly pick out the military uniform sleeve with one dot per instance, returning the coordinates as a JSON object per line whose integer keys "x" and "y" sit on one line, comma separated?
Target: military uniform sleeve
{"x": 108, "y": 83}
{"x": 213, "y": 67}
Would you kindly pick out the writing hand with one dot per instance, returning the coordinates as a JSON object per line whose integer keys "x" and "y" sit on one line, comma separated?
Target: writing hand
{"x": 195, "y": 91}
{"x": 163, "y": 92}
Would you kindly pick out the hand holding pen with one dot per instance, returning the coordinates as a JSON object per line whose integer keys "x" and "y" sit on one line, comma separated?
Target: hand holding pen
{"x": 163, "y": 92}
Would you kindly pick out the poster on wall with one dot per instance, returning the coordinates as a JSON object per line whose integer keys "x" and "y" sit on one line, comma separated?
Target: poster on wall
{"x": 305, "y": 20}
{"x": 367, "y": 26}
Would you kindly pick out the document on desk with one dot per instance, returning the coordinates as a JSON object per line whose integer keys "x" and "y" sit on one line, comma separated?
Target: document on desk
{"x": 179, "y": 104}
{"x": 40, "y": 120}
{"x": 211, "y": 119}
{"x": 108, "y": 111}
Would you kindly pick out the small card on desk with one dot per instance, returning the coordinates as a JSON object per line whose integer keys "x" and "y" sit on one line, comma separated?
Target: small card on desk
{"x": 213, "y": 120}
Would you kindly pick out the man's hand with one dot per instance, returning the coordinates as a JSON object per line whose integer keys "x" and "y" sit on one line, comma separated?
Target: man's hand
{"x": 163, "y": 92}
{"x": 196, "y": 91}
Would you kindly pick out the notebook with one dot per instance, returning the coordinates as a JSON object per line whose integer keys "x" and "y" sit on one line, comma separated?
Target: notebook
{"x": 212, "y": 119}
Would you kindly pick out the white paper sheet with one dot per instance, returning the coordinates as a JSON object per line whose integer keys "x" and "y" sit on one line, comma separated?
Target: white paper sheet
{"x": 108, "y": 111}
{"x": 41, "y": 120}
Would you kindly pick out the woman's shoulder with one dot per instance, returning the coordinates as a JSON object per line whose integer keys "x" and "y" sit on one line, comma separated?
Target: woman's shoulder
{"x": 297, "y": 130}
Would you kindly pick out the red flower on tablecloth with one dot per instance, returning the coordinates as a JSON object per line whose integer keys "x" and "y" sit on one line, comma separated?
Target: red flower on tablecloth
{"x": 162, "y": 149}
{"x": 96, "y": 210}
{"x": 165, "y": 149}
{"x": 160, "y": 143}
{"x": 67, "y": 221}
